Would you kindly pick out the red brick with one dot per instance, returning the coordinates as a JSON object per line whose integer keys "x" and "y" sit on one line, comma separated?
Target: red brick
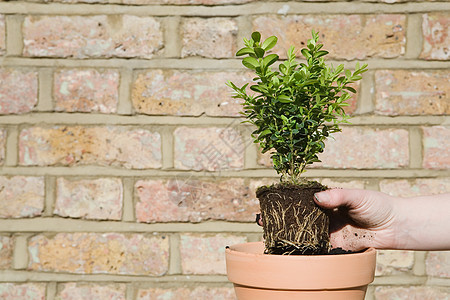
{"x": 438, "y": 264}
{"x": 360, "y": 148}
{"x": 86, "y": 91}
{"x": 21, "y": 196}
{"x": 75, "y": 291}
{"x": 211, "y": 149}
{"x": 391, "y": 262}
{"x": 365, "y": 35}
{"x": 188, "y": 199}
{"x": 6, "y": 252}
{"x": 209, "y": 37}
{"x": 21, "y": 291}
{"x": 2, "y": 35}
{"x": 187, "y": 93}
{"x": 416, "y": 187}
{"x": 96, "y": 253}
{"x": 99, "y": 199}
{"x": 436, "y": 38}
{"x": 201, "y": 292}
{"x": 92, "y": 36}
{"x": 205, "y": 254}
{"x": 402, "y": 92}
{"x": 18, "y": 90}
{"x": 110, "y": 146}
{"x": 436, "y": 147}
{"x": 412, "y": 293}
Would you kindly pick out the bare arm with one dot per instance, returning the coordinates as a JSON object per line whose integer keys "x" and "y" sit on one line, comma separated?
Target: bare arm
{"x": 362, "y": 218}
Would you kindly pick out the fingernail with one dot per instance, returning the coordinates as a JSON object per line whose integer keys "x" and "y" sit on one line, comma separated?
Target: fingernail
{"x": 322, "y": 197}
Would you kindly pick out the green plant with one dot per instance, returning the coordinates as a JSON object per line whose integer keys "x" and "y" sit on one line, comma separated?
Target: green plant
{"x": 297, "y": 107}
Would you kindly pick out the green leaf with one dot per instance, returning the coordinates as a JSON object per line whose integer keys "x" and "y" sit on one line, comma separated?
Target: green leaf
{"x": 245, "y": 51}
{"x": 270, "y": 59}
{"x": 348, "y": 73}
{"x": 250, "y": 62}
{"x": 265, "y": 132}
{"x": 256, "y": 36}
{"x": 269, "y": 43}
{"x": 350, "y": 89}
{"x": 259, "y": 52}
{"x": 284, "y": 99}
{"x": 305, "y": 53}
{"x": 321, "y": 53}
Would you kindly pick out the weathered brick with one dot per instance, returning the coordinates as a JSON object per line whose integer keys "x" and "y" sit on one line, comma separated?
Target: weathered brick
{"x": 416, "y": 187}
{"x": 187, "y": 199}
{"x": 216, "y": 293}
{"x": 183, "y": 93}
{"x": 211, "y": 149}
{"x": 391, "y": 262}
{"x": 352, "y": 184}
{"x": 92, "y": 36}
{"x": 438, "y": 264}
{"x": 412, "y": 293}
{"x": 18, "y": 90}
{"x": 95, "y": 253}
{"x": 75, "y": 291}
{"x": 21, "y": 291}
{"x": 368, "y": 35}
{"x": 209, "y": 37}
{"x": 402, "y": 92}
{"x": 436, "y": 38}
{"x": 354, "y": 147}
{"x": 6, "y": 252}
{"x": 2, "y": 35}
{"x": 99, "y": 199}
{"x": 358, "y": 148}
{"x": 86, "y": 91}
{"x": 76, "y": 145}
{"x": 21, "y": 196}
{"x": 436, "y": 147}
{"x": 205, "y": 254}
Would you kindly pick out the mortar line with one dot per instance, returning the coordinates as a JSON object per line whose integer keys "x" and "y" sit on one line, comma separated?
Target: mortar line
{"x": 128, "y": 200}
{"x": 20, "y": 254}
{"x": 222, "y": 10}
{"x": 414, "y": 36}
{"x": 172, "y": 37}
{"x": 419, "y": 268}
{"x": 210, "y": 64}
{"x": 174, "y": 255}
{"x": 167, "y": 148}
{"x": 51, "y": 291}
{"x": 12, "y": 146}
{"x": 366, "y": 97}
{"x": 14, "y": 38}
{"x": 124, "y": 105}
{"x": 415, "y": 147}
{"x": 50, "y": 195}
{"x": 45, "y": 93}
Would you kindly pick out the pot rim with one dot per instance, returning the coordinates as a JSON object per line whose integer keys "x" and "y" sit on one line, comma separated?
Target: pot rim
{"x": 248, "y": 266}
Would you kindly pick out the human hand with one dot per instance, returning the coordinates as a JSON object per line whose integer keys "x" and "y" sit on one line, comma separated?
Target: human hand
{"x": 359, "y": 218}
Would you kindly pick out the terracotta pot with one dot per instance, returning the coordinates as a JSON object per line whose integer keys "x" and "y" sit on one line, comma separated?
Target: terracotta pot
{"x": 258, "y": 276}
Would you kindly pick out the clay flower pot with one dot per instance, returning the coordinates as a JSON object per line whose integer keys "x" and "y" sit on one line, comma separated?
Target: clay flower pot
{"x": 258, "y": 276}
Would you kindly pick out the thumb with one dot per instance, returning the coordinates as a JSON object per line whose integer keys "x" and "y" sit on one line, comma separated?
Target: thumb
{"x": 334, "y": 198}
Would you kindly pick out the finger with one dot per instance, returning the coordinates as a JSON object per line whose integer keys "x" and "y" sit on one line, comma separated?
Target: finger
{"x": 334, "y": 198}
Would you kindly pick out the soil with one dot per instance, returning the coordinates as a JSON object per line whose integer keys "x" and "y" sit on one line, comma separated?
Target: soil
{"x": 293, "y": 224}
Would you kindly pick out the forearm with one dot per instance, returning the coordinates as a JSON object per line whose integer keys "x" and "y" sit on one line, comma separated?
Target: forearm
{"x": 423, "y": 223}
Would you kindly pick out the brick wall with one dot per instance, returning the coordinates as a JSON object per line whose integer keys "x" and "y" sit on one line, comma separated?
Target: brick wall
{"x": 125, "y": 169}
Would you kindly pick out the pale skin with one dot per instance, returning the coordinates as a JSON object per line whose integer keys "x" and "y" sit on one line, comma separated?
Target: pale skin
{"x": 361, "y": 219}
